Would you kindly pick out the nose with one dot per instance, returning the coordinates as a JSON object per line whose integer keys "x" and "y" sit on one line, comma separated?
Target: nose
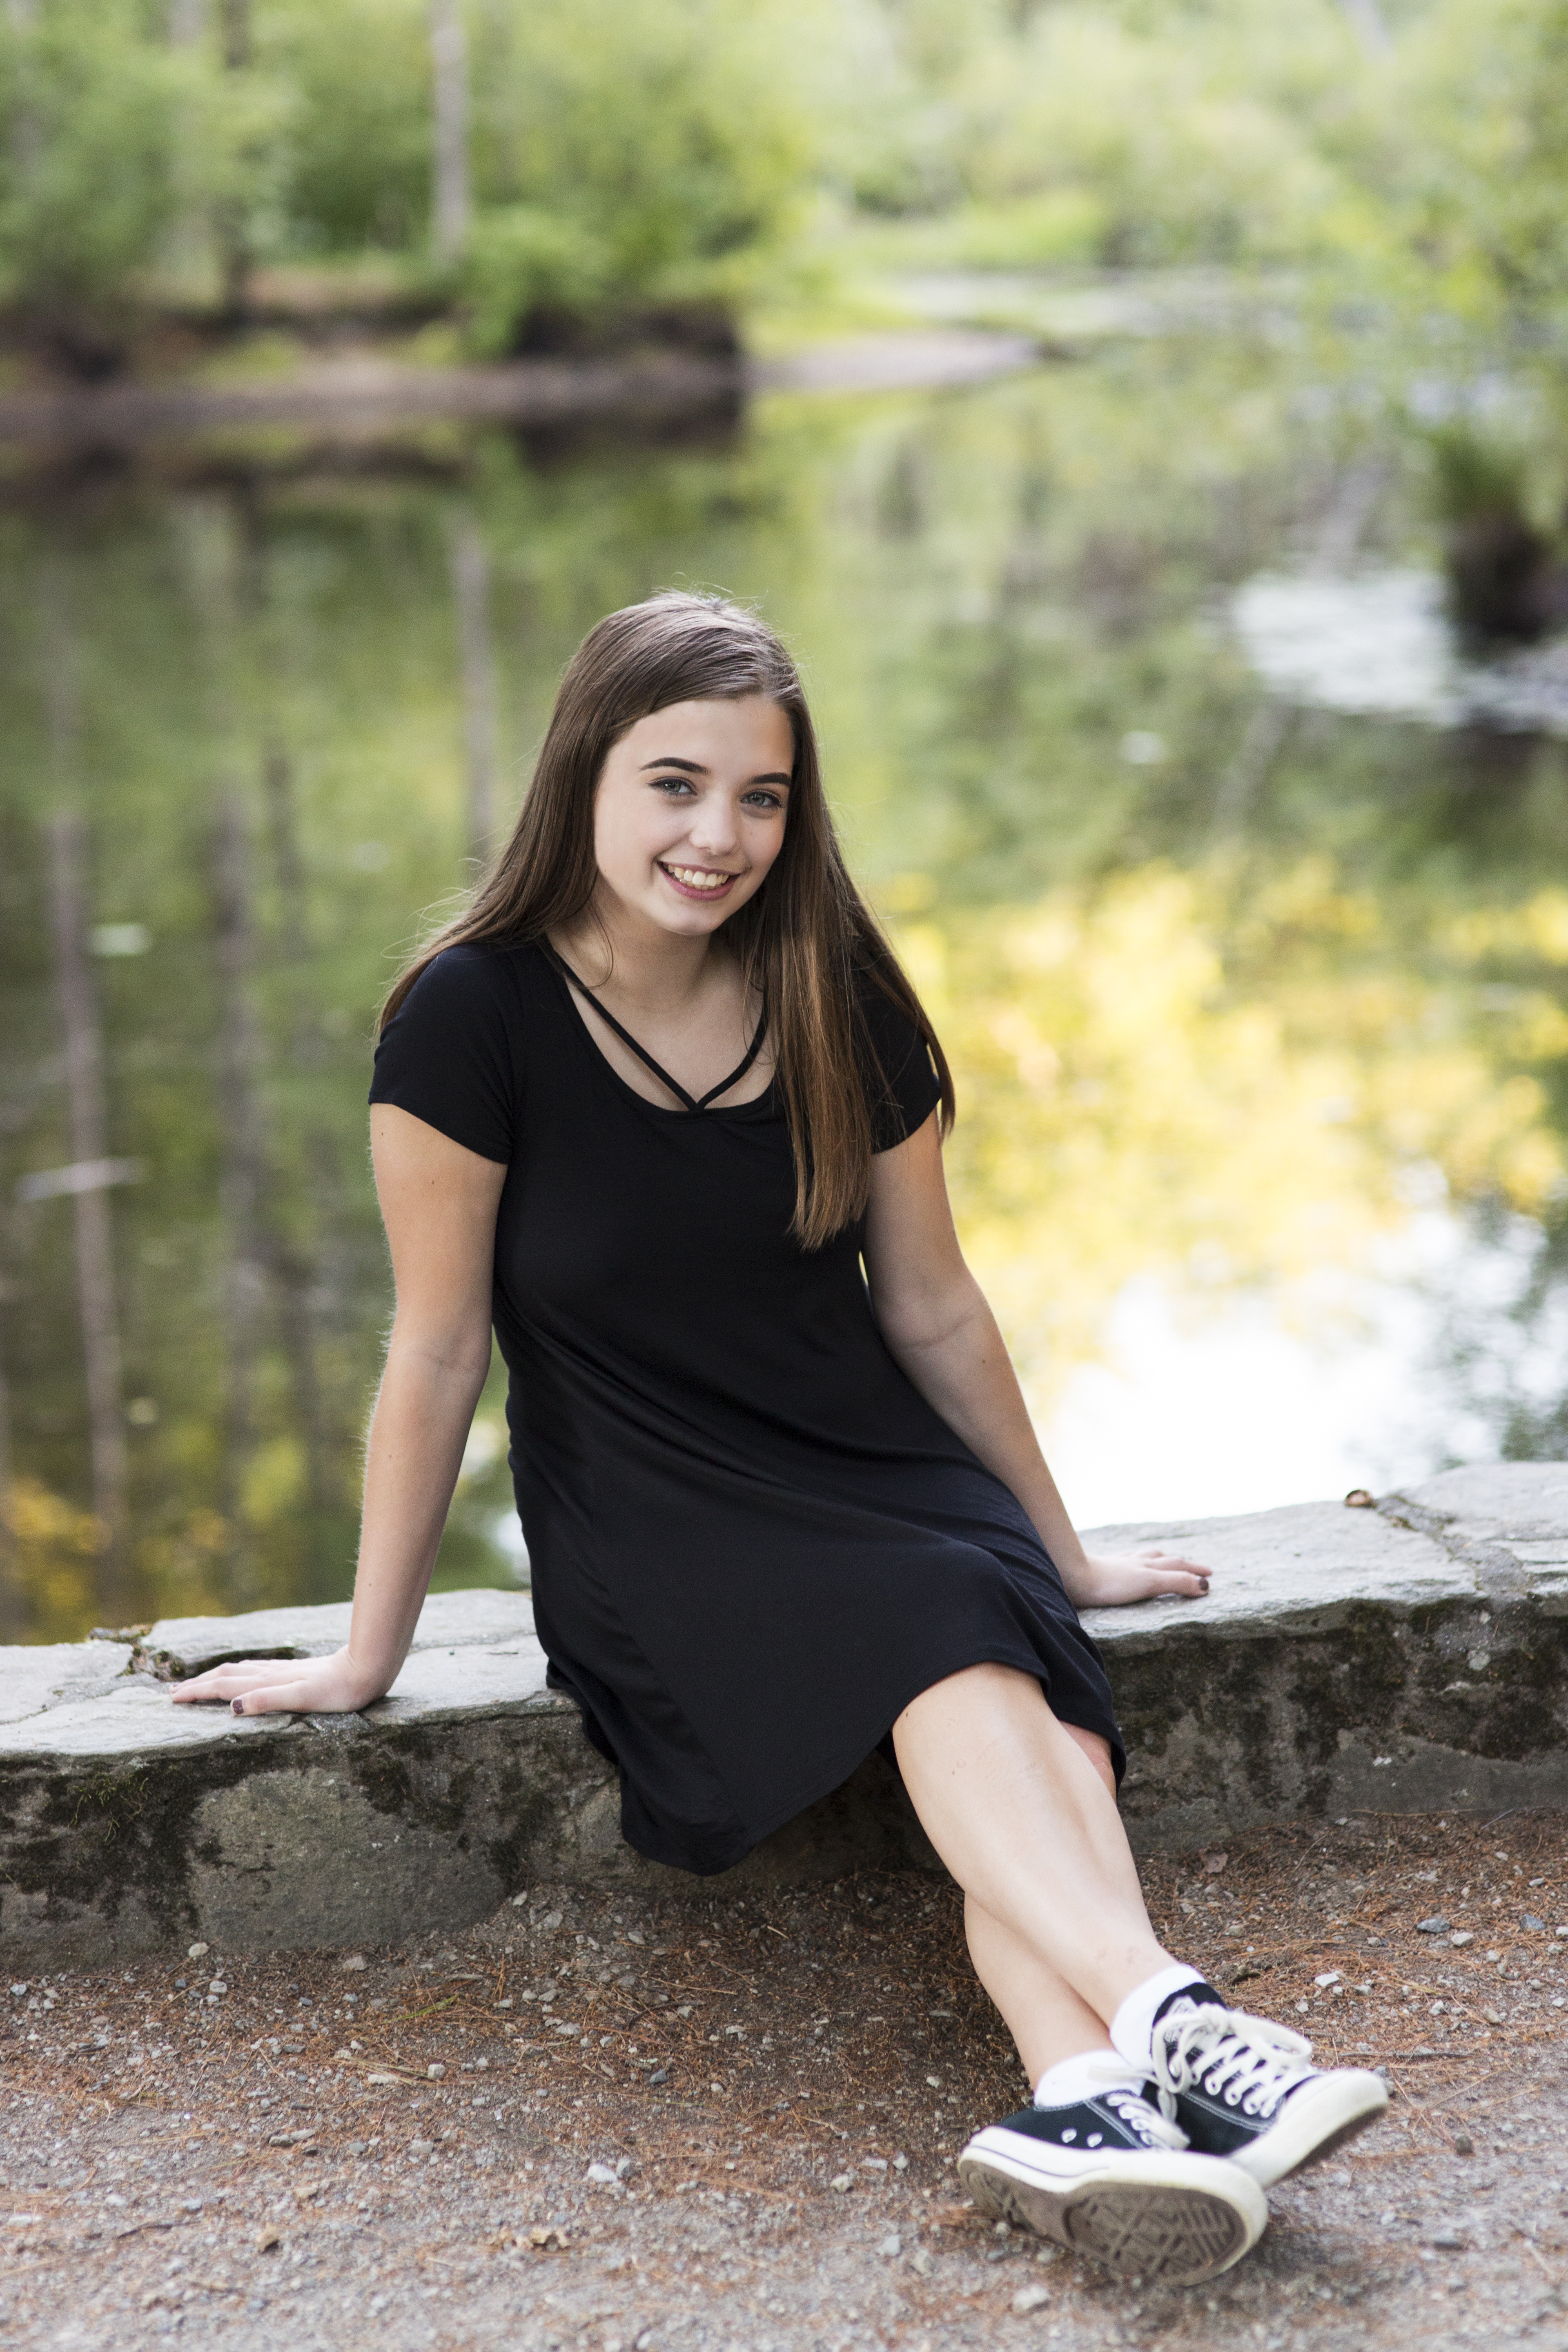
{"x": 714, "y": 830}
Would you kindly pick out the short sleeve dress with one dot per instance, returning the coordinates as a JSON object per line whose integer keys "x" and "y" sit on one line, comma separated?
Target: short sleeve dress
{"x": 752, "y": 1541}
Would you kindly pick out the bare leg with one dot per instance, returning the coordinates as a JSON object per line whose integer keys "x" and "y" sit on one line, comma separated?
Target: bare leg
{"x": 1047, "y": 2019}
{"x": 1019, "y": 1810}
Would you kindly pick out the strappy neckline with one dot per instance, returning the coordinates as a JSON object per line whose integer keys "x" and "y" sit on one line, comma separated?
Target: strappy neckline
{"x": 687, "y": 1101}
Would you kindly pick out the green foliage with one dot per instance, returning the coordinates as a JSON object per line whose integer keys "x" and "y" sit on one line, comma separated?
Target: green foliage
{"x": 90, "y": 168}
{"x": 1178, "y": 163}
{"x": 632, "y": 154}
{"x": 523, "y": 261}
{"x": 1110, "y": 133}
{"x": 1477, "y": 474}
{"x": 358, "y": 145}
{"x": 1475, "y": 169}
{"x": 629, "y": 153}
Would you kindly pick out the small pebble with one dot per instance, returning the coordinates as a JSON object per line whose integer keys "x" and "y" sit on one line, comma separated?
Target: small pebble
{"x": 435, "y": 2073}
{"x": 841, "y": 2181}
{"x": 1031, "y": 2298}
{"x": 1435, "y": 1926}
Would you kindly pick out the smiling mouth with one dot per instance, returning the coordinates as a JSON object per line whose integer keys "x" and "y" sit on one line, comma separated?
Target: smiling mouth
{"x": 700, "y": 879}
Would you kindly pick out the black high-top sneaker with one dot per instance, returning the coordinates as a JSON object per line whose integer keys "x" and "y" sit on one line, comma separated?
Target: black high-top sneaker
{"x": 1110, "y": 2178}
{"x": 1241, "y": 2087}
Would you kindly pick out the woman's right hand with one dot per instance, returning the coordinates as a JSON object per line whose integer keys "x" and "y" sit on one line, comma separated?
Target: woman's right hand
{"x": 332, "y": 1685}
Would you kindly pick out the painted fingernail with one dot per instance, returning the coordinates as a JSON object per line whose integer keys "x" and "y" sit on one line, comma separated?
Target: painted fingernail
{"x": 236, "y": 1706}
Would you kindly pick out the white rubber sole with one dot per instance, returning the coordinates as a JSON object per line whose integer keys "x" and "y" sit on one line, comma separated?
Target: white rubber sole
{"x": 1160, "y": 2214}
{"x": 1314, "y": 2122}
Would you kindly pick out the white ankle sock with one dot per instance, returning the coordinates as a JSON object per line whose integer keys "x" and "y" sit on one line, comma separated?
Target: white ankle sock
{"x": 1092, "y": 2070}
{"x": 1132, "y": 2027}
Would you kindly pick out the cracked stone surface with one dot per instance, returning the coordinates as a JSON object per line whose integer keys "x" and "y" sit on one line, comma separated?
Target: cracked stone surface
{"x": 614, "y": 2119}
{"x": 1405, "y": 1656}
{"x": 188, "y": 1645}
{"x": 51, "y": 1675}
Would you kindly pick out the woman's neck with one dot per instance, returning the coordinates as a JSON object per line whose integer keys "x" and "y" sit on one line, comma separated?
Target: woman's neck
{"x": 639, "y": 963}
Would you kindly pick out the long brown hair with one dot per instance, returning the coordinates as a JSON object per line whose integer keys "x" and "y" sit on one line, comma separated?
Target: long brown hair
{"x": 800, "y": 942}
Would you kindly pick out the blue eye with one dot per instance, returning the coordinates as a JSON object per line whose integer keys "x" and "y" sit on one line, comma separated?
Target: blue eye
{"x": 670, "y": 783}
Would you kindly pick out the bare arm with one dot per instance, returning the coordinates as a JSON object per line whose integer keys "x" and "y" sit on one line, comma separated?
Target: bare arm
{"x": 439, "y": 1203}
{"x": 937, "y": 1326}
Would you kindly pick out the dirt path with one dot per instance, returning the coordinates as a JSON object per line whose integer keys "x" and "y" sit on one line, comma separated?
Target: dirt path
{"x": 729, "y": 2123}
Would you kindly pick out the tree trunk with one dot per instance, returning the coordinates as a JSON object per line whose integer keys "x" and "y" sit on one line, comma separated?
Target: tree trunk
{"x": 287, "y": 865}
{"x": 235, "y": 259}
{"x": 291, "y": 1266}
{"x": 449, "y": 69}
{"x": 1366, "y": 22}
{"x": 66, "y": 837}
{"x": 236, "y": 33}
{"x": 240, "y": 1182}
{"x": 471, "y": 592}
{"x": 12, "y": 1615}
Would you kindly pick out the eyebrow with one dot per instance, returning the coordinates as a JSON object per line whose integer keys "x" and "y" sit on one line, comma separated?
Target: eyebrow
{"x": 695, "y": 768}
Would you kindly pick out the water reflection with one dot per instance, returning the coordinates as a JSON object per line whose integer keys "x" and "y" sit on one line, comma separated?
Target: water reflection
{"x": 1381, "y": 644}
{"x": 1229, "y": 993}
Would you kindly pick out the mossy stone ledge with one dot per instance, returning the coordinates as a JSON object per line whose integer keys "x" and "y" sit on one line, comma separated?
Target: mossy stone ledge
{"x": 1410, "y": 1655}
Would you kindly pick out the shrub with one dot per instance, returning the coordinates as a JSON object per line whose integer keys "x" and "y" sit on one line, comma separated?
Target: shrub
{"x": 91, "y": 174}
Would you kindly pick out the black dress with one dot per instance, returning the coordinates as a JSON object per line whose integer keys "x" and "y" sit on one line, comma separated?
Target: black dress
{"x": 752, "y": 1540}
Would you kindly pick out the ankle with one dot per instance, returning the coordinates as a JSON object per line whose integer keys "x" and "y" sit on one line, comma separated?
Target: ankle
{"x": 1132, "y": 2027}
{"x": 1083, "y": 2074}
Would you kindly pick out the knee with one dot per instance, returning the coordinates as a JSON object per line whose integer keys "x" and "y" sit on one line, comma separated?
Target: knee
{"x": 1097, "y": 1750}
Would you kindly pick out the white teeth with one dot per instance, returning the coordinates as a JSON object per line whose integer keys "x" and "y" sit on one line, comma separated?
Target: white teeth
{"x": 698, "y": 881}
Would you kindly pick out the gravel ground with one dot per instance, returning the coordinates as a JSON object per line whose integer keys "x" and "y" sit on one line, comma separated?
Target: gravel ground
{"x": 631, "y": 2124}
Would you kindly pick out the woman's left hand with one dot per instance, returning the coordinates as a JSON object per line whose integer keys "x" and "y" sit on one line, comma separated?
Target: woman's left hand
{"x": 1110, "y": 1579}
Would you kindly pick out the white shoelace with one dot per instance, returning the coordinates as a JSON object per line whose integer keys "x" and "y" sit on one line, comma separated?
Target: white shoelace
{"x": 1247, "y": 2062}
{"x": 1130, "y": 2107}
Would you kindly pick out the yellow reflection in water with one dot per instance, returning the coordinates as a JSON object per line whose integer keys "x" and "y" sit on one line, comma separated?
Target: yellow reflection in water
{"x": 1157, "y": 1076}
{"x": 55, "y": 1548}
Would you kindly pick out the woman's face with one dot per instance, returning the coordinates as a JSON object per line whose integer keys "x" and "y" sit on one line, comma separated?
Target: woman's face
{"x": 691, "y": 812}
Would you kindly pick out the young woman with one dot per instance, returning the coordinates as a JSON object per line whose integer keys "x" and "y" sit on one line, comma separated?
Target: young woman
{"x": 663, "y": 1107}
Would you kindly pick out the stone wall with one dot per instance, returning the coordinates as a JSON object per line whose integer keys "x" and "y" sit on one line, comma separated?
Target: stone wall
{"x": 1408, "y": 1656}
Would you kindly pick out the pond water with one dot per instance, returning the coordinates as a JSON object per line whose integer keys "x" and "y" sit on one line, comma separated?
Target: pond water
{"x": 1255, "y": 990}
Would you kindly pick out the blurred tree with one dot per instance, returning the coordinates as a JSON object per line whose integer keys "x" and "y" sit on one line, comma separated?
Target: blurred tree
{"x": 629, "y": 154}
{"x": 89, "y": 180}
{"x": 450, "y": 66}
{"x": 358, "y": 141}
{"x": 1475, "y": 169}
